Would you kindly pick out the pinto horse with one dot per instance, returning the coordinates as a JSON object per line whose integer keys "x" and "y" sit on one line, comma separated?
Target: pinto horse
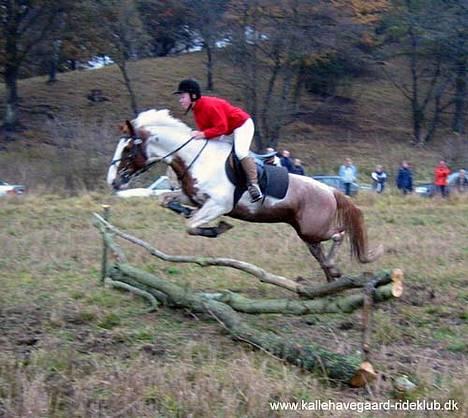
{"x": 317, "y": 212}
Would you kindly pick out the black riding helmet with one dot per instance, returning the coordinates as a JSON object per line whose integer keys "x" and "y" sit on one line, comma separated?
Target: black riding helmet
{"x": 191, "y": 87}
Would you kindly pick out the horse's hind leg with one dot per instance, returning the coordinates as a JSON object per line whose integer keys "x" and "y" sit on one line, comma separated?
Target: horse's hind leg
{"x": 330, "y": 258}
{"x": 330, "y": 271}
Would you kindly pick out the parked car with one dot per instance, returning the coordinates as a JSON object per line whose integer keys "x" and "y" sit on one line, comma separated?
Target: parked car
{"x": 337, "y": 183}
{"x": 11, "y": 189}
{"x": 160, "y": 186}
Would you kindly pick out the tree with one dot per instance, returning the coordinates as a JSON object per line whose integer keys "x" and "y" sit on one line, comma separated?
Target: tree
{"x": 124, "y": 36}
{"x": 166, "y": 24}
{"x": 208, "y": 27}
{"x": 455, "y": 51}
{"x": 275, "y": 46}
{"x": 23, "y": 25}
{"x": 429, "y": 36}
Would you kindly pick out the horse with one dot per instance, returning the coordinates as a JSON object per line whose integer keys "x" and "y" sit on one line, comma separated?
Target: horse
{"x": 317, "y": 212}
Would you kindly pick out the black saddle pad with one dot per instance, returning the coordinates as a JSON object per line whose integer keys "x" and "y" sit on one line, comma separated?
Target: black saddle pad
{"x": 273, "y": 180}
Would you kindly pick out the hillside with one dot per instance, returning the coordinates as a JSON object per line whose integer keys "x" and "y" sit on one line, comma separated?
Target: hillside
{"x": 372, "y": 127}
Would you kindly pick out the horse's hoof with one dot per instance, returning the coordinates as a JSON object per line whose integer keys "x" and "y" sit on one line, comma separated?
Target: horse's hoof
{"x": 335, "y": 273}
{"x": 223, "y": 227}
{"x": 193, "y": 231}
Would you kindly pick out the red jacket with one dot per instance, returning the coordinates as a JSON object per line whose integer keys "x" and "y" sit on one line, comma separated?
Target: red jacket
{"x": 216, "y": 117}
{"x": 441, "y": 173}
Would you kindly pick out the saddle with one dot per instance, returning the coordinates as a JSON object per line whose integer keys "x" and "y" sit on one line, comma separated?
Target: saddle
{"x": 272, "y": 180}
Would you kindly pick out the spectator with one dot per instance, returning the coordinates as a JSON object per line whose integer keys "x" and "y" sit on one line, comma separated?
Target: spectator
{"x": 297, "y": 167}
{"x": 379, "y": 177}
{"x": 441, "y": 174}
{"x": 348, "y": 173}
{"x": 275, "y": 160}
{"x": 286, "y": 161}
{"x": 461, "y": 182}
{"x": 404, "y": 180}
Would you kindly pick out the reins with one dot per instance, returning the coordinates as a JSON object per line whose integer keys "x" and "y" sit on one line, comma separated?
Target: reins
{"x": 149, "y": 165}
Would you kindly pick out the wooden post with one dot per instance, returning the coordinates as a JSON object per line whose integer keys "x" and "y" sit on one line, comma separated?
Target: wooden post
{"x": 106, "y": 216}
{"x": 367, "y": 307}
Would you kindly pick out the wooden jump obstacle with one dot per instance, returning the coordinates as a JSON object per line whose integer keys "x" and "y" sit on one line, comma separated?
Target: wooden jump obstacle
{"x": 226, "y": 306}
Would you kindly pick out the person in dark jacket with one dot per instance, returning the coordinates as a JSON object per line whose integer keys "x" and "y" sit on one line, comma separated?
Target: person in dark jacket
{"x": 404, "y": 180}
{"x": 286, "y": 161}
{"x": 297, "y": 167}
{"x": 379, "y": 177}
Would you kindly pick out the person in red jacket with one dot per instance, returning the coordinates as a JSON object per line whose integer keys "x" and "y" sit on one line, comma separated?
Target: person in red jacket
{"x": 441, "y": 174}
{"x": 215, "y": 117}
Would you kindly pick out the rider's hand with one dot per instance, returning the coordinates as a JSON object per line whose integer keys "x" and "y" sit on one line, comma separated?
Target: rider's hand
{"x": 198, "y": 135}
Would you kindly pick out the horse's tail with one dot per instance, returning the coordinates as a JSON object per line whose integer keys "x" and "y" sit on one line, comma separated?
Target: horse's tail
{"x": 350, "y": 218}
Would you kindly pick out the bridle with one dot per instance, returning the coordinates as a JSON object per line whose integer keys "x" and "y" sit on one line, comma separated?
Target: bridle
{"x": 137, "y": 150}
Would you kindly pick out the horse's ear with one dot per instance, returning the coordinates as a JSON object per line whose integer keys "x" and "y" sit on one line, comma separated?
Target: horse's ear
{"x": 126, "y": 128}
{"x": 130, "y": 129}
{"x": 123, "y": 128}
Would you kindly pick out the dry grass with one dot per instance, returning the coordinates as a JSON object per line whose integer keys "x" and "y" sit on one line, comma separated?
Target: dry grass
{"x": 70, "y": 348}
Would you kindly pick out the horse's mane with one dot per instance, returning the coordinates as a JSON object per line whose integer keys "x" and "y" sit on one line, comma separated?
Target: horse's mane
{"x": 158, "y": 118}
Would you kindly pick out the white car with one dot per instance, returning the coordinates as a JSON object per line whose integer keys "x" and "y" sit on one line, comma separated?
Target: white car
{"x": 160, "y": 186}
{"x": 11, "y": 189}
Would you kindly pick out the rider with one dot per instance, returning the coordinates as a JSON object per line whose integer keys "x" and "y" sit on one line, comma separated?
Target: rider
{"x": 215, "y": 117}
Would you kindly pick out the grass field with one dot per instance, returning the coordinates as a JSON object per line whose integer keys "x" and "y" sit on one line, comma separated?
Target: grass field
{"x": 71, "y": 348}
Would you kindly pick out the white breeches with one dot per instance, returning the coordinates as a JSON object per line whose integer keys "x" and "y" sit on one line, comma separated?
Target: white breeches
{"x": 243, "y": 136}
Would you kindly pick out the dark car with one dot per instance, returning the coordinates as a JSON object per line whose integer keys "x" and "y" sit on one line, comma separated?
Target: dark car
{"x": 337, "y": 183}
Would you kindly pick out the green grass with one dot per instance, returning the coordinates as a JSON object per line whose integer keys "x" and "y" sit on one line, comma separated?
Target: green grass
{"x": 92, "y": 347}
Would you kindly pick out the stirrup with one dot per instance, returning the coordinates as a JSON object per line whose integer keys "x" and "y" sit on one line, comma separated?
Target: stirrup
{"x": 255, "y": 193}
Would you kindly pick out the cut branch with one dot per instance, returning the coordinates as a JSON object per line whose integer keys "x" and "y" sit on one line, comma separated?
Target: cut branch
{"x": 258, "y": 272}
{"x": 343, "y": 368}
{"x": 136, "y": 290}
{"x": 223, "y": 306}
{"x": 264, "y": 276}
{"x": 345, "y": 304}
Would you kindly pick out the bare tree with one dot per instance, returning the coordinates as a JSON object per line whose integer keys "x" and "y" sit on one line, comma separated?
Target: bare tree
{"x": 208, "y": 27}
{"x": 23, "y": 26}
{"x": 428, "y": 36}
{"x": 274, "y": 45}
{"x": 124, "y": 38}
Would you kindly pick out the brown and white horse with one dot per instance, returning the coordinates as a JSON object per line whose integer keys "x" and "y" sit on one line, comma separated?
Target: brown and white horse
{"x": 317, "y": 212}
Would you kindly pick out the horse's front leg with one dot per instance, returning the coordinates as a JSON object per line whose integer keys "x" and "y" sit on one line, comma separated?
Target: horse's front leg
{"x": 210, "y": 211}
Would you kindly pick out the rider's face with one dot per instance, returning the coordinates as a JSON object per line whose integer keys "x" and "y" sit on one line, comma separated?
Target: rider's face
{"x": 184, "y": 100}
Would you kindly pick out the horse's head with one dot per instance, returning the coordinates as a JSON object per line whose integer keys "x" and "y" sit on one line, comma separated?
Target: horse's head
{"x": 129, "y": 158}
{"x": 153, "y": 136}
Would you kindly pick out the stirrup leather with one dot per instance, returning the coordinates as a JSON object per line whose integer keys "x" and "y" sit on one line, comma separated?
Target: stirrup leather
{"x": 255, "y": 192}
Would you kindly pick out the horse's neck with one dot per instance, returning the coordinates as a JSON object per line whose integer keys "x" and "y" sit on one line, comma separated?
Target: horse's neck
{"x": 175, "y": 144}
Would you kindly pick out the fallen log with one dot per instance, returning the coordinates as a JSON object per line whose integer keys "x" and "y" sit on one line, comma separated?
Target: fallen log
{"x": 347, "y": 369}
{"x": 344, "y": 304}
{"x": 305, "y": 290}
{"x": 224, "y": 306}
